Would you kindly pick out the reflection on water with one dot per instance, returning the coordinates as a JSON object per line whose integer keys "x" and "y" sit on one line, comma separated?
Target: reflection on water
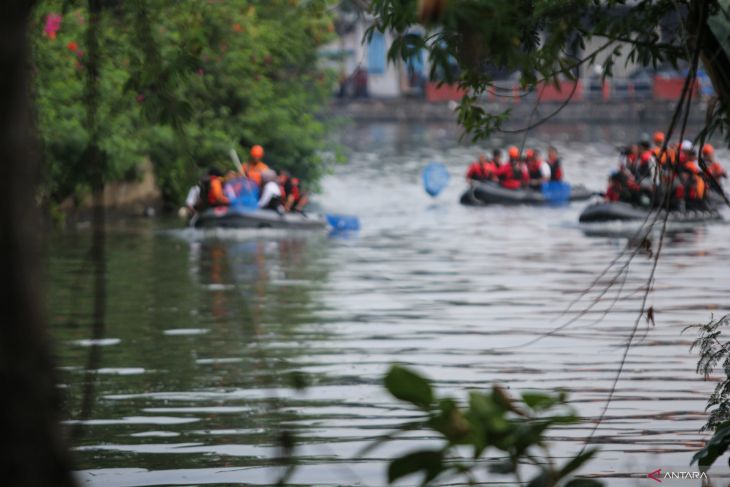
{"x": 208, "y": 334}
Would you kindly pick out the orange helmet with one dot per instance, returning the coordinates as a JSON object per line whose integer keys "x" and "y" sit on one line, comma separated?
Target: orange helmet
{"x": 257, "y": 152}
{"x": 529, "y": 153}
{"x": 658, "y": 137}
{"x": 646, "y": 156}
{"x": 513, "y": 152}
{"x": 708, "y": 150}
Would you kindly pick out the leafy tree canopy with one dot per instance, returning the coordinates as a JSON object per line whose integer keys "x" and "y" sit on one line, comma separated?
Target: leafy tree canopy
{"x": 547, "y": 41}
{"x": 181, "y": 82}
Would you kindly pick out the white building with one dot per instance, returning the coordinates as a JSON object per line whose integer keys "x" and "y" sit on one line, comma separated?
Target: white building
{"x": 363, "y": 66}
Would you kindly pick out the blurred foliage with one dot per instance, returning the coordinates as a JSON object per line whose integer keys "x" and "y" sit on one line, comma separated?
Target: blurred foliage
{"x": 714, "y": 357}
{"x": 182, "y": 82}
{"x": 491, "y": 423}
{"x": 541, "y": 41}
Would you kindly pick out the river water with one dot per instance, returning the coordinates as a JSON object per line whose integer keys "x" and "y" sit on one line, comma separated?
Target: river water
{"x": 193, "y": 379}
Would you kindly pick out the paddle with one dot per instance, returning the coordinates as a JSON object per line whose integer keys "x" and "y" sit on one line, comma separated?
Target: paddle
{"x": 556, "y": 192}
{"x": 343, "y": 222}
{"x": 435, "y": 178}
{"x": 236, "y": 161}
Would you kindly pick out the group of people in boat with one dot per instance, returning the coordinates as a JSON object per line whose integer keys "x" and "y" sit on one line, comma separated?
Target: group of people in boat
{"x": 654, "y": 173}
{"x": 519, "y": 170}
{"x": 273, "y": 190}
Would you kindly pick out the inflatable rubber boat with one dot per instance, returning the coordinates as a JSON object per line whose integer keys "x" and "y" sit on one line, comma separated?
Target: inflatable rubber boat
{"x": 620, "y": 211}
{"x": 491, "y": 193}
{"x": 234, "y": 217}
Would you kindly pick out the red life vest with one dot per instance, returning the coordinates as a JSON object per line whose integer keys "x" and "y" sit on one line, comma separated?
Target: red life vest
{"x": 480, "y": 171}
{"x": 534, "y": 170}
{"x": 507, "y": 177}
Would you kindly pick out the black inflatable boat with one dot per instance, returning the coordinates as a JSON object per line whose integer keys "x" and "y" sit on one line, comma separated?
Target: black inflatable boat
{"x": 490, "y": 193}
{"x": 619, "y": 211}
{"x": 232, "y": 217}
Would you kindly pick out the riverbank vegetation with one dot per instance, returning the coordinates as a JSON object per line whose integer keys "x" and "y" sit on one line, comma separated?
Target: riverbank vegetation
{"x": 179, "y": 83}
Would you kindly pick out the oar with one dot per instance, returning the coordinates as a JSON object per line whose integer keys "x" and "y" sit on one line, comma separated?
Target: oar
{"x": 343, "y": 222}
{"x": 435, "y": 178}
{"x": 236, "y": 161}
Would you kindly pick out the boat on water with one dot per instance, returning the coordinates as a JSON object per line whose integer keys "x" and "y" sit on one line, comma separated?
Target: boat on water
{"x": 620, "y": 211}
{"x": 488, "y": 193}
{"x": 242, "y": 217}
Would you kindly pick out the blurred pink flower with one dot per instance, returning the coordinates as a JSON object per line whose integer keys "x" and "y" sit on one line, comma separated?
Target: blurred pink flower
{"x": 53, "y": 25}
{"x": 140, "y": 98}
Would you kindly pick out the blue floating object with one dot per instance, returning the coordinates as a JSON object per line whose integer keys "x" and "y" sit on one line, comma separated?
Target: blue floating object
{"x": 435, "y": 178}
{"x": 556, "y": 192}
{"x": 343, "y": 222}
{"x": 242, "y": 193}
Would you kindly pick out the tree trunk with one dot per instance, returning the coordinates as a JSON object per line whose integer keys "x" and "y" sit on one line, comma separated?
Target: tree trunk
{"x": 34, "y": 451}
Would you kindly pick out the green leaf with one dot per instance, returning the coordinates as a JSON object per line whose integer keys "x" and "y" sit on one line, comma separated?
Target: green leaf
{"x": 428, "y": 461}
{"x": 408, "y": 386}
{"x": 575, "y": 463}
{"x": 450, "y": 422}
{"x": 538, "y": 401}
{"x": 714, "y": 449}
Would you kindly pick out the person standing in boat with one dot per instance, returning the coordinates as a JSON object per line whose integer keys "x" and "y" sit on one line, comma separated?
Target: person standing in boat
{"x": 556, "y": 165}
{"x": 537, "y": 169}
{"x": 255, "y": 167}
{"x": 271, "y": 198}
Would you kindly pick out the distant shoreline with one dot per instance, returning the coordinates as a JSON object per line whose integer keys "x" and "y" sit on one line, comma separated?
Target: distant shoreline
{"x": 418, "y": 110}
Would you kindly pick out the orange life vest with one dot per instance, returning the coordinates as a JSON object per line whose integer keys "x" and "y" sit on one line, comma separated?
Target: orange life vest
{"x": 253, "y": 170}
{"x": 215, "y": 193}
